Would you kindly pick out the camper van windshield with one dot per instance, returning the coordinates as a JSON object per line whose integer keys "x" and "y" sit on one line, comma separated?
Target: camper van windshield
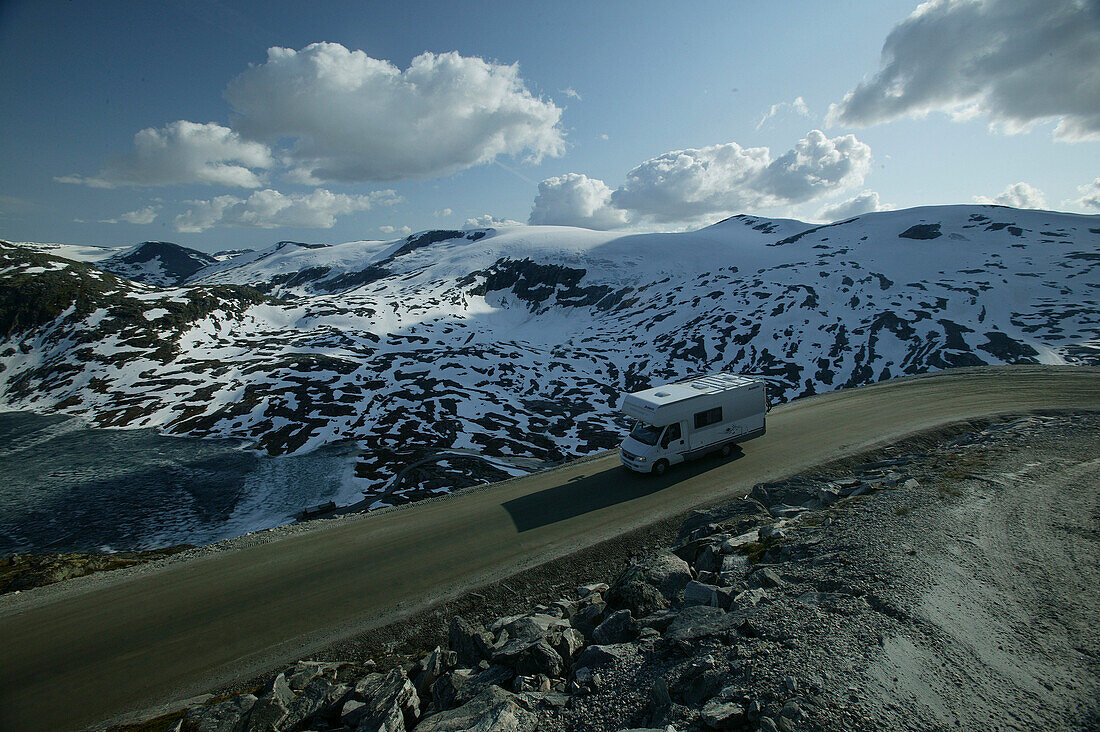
{"x": 646, "y": 433}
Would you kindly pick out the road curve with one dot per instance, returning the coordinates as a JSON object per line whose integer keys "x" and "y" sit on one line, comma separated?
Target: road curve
{"x": 100, "y": 650}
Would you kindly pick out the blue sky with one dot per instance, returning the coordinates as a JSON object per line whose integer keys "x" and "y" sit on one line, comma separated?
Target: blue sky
{"x": 633, "y": 115}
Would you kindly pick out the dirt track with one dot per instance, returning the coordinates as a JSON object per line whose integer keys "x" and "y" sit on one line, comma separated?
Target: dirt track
{"x": 81, "y": 654}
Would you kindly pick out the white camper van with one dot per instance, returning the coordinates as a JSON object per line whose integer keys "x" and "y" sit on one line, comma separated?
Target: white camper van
{"x": 691, "y": 418}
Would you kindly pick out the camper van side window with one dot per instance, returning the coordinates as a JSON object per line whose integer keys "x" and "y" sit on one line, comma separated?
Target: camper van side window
{"x": 709, "y": 417}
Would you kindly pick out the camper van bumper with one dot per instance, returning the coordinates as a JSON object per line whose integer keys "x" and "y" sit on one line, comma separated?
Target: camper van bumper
{"x": 635, "y": 462}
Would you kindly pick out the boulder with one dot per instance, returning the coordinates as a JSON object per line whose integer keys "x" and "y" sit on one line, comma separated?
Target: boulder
{"x": 322, "y": 697}
{"x": 390, "y": 703}
{"x": 270, "y": 709}
{"x": 569, "y": 645}
{"x": 765, "y": 577}
{"x": 469, "y": 642}
{"x": 619, "y": 627}
{"x": 493, "y": 710}
{"x": 650, "y": 585}
{"x": 227, "y": 716}
{"x": 588, "y": 618}
{"x": 712, "y": 521}
{"x": 723, "y": 714}
{"x": 429, "y": 668}
{"x": 698, "y": 593}
{"x": 749, "y": 598}
{"x": 530, "y": 648}
{"x": 595, "y": 587}
{"x": 455, "y": 689}
{"x": 300, "y": 674}
{"x": 599, "y": 656}
{"x": 696, "y": 622}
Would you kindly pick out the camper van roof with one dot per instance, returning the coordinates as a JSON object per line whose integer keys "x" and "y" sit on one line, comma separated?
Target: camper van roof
{"x": 710, "y": 384}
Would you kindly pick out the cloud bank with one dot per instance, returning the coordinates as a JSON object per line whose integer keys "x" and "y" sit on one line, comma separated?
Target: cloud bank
{"x": 1017, "y": 195}
{"x": 574, "y": 199}
{"x": 1090, "y": 196}
{"x": 181, "y": 153}
{"x": 1017, "y": 62}
{"x": 866, "y": 202}
{"x": 269, "y": 209}
{"x": 352, "y": 118}
{"x": 684, "y": 185}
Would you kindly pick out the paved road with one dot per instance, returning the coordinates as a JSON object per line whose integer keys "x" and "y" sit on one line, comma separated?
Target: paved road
{"x": 111, "y": 647}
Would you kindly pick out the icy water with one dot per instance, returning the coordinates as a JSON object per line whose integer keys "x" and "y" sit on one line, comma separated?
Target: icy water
{"x": 66, "y": 487}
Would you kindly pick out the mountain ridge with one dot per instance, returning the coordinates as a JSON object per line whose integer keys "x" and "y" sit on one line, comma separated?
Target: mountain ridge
{"x": 516, "y": 343}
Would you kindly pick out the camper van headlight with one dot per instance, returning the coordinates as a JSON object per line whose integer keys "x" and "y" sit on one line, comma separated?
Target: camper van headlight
{"x": 641, "y": 458}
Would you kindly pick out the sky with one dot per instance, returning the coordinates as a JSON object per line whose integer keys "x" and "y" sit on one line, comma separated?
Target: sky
{"x": 224, "y": 125}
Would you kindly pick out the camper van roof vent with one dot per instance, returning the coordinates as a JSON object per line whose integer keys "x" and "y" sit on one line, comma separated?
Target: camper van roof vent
{"x": 661, "y": 393}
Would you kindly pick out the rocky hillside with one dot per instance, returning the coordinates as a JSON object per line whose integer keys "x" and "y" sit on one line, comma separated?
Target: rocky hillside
{"x": 481, "y": 353}
{"x": 159, "y": 263}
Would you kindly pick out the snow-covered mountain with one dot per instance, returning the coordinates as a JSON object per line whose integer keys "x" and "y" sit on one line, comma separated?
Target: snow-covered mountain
{"x": 455, "y": 356}
{"x": 159, "y": 263}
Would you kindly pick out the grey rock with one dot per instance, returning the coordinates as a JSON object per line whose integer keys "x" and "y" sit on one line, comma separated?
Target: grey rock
{"x": 586, "y": 590}
{"x": 701, "y": 621}
{"x": 227, "y": 716}
{"x": 597, "y": 656}
{"x": 320, "y": 697}
{"x": 646, "y": 634}
{"x": 765, "y": 578}
{"x": 767, "y": 724}
{"x": 772, "y": 532}
{"x": 569, "y": 645}
{"x": 723, "y": 714}
{"x": 650, "y": 585}
{"x": 707, "y": 523}
{"x": 493, "y": 710}
{"x": 390, "y": 702}
{"x": 469, "y": 642}
{"x": 791, "y": 683}
{"x": 431, "y": 667}
{"x": 658, "y": 621}
{"x": 270, "y": 709}
{"x": 733, "y": 544}
{"x": 749, "y": 598}
{"x": 302, "y": 673}
{"x": 588, "y": 618}
{"x": 619, "y": 627}
{"x": 698, "y": 593}
{"x": 530, "y": 647}
{"x": 783, "y": 511}
{"x": 457, "y": 688}
{"x": 658, "y": 696}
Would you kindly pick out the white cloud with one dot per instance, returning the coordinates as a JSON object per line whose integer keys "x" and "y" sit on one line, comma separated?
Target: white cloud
{"x": 355, "y": 118}
{"x": 402, "y": 230}
{"x": 1017, "y": 195}
{"x": 798, "y": 106}
{"x": 576, "y": 200}
{"x": 488, "y": 221}
{"x": 572, "y": 93}
{"x": 1090, "y": 196}
{"x": 271, "y": 209}
{"x": 180, "y": 153}
{"x": 1015, "y": 61}
{"x": 687, "y": 184}
{"x": 442, "y": 212}
{"x": 146, "y": 215}
{"x": 865, "y": 202}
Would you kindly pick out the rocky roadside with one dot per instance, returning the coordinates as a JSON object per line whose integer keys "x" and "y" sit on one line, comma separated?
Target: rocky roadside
{"x": 948, "y": 582}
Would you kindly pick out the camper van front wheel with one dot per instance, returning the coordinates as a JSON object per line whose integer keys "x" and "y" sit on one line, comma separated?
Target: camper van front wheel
{"x": 727, "y": 450}
{"x": 660, "y": 467}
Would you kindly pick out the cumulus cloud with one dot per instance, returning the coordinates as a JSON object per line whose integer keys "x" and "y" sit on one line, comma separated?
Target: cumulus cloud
{"x": 576, "y": 200}
{"x": 354, "y": 118}
{"x": 865, "y": 202}
{"x": 269, "y": 209}
{"x": 442, "y": 212}
{"x": 488, "y": 221}
{"x": 1090, "y": 196}
{"x": 798, "y": 107}
{"x": 402, "y": 230}
{"x": 1017, "y": 195}
{"x": 183, "y": 152}
{"x": 1015, "y": 61}
{"x": 146, "y": 215}
{"x": 687, "y": 184}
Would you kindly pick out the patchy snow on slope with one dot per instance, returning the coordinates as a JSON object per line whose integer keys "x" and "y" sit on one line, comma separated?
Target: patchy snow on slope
{"x": 517, "y": 343}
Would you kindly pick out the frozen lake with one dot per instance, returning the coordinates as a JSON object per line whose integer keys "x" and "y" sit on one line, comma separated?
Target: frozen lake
{"x": 66, "y": 487}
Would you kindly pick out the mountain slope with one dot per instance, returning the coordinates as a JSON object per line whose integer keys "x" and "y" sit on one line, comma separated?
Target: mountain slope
{"x": 516, "y": 344}
{"x": 159, "y": 263}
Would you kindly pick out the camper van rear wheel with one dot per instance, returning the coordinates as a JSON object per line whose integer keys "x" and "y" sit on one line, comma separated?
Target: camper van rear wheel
{"x": 660, "y": 467}
{"x": 727, "y": 450}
